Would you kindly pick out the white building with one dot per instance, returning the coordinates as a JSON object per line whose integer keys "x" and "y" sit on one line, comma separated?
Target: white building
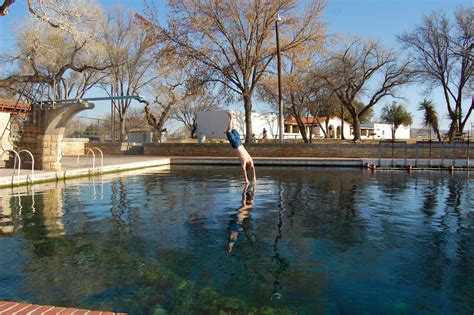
{"x": 8, "y": 108}
{"x": 213, "y": 124}
{"x": 269, "y": 121}
{"x": 383, "y": 131}
{"x": 331, "y": 126}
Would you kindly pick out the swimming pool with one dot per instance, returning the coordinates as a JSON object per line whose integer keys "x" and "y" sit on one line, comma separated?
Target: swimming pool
{"x": 191, "y": 240}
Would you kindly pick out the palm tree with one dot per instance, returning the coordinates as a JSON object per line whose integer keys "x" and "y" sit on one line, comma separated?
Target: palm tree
{"x": 430, "y": 116}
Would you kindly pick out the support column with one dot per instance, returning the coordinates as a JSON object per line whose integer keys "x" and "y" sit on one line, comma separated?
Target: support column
{"x": 43, "y": 133}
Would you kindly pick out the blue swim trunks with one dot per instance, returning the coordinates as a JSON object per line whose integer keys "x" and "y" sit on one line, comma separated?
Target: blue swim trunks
{"x": 234, "y": 138}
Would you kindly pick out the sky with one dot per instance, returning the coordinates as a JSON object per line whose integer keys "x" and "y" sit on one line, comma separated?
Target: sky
{"x": 378, "y": 19}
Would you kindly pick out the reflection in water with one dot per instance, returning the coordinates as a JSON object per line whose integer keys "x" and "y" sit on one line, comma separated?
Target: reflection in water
{"x": 6, "y": 217}
{"x": 282, "y": 265}
{"x": 12, "y": 212}
{"x": 308, "y": 242}
{"x": 238, "y": 220}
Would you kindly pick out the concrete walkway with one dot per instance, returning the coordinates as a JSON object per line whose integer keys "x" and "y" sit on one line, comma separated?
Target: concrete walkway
{"x": 70, "y": 168}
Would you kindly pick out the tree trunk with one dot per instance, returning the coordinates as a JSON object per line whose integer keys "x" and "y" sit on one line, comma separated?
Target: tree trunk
{"x": 438, "y": 135}
{"x": 302, "y": 129}
{"x": 299, "y": 120}
{"x": 356, "y": 127}
{"x": 157, "y": 136}
{"x": 321, "y": 128}
{"x": 326, "y": 133}
{"x": 248, "y": 117}
{"x": 342, "y": 123}
{"x": 123, "y": 130}
{"x": 453, "y": 129}
{"x": 462, "y": 124}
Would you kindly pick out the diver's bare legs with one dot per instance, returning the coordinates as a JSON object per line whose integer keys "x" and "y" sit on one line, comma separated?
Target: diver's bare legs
{"x": 230, "y": 126}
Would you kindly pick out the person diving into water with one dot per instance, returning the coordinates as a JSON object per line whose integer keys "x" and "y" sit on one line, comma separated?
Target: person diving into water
{"x": 246, "y": 160}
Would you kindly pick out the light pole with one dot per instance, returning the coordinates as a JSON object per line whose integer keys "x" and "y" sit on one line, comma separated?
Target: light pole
{"x": 280, "y": 103}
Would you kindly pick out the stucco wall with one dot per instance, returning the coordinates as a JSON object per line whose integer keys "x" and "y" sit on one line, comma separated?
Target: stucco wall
{"x": 6, "y": 145}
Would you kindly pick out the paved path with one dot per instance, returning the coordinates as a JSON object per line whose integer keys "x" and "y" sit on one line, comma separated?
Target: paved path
{"x": 10, "y": 308}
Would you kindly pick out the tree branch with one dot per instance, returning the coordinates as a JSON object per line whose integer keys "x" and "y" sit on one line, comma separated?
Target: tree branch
{"x": 4, "y": 7}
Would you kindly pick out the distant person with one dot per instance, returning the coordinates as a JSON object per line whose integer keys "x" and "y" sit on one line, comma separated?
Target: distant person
{"x": 237, "y": 221}
{"x": 246, "y": 160}
{"x": 264, "y": 134}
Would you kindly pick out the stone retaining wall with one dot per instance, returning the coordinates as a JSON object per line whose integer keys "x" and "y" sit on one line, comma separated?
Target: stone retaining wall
{"x": 110, "y": 148}
{"x": 350, "y": 150}
{"x": 73, "y": 146}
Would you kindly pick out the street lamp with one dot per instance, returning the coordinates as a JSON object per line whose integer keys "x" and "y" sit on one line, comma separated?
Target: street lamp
{"x": 280, "y": 103}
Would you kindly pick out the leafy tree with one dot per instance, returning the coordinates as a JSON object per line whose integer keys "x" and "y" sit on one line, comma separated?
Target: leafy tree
{"x": 430, "y": 116}
{"x": 234, "y": 39}
{"x": 443, "y": 58}
{"x": 395, "y": 115}
{"x": 364, "y": 67}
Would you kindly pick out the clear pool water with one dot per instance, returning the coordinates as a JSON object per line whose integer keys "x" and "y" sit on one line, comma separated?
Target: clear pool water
{"x": 314, "y": 241}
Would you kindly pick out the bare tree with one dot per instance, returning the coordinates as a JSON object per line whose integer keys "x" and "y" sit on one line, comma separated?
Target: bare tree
{"x": 77, "y": 17}
{"x": 67, "y": 66}
{"x": 299, "y": 90}
{"x": 5, "y": 7}
{"x": 188, "y": 107}
{"x": 165, "y": 102}
{"x": 364, "y": 68}
{"x": 443, "y": 58}
{"x": 128, "y": 49}
{"x": 323, "y": 104}
{"x": 234, "y": 39}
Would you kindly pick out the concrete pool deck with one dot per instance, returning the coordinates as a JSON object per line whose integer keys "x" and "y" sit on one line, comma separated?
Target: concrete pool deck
{"x": 119, "y": 163}
{"x": 85, "y": 168}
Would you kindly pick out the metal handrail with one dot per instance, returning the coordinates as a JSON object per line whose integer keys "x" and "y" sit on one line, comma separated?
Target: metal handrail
{"x": 93, "y": 158}
{"x": 14, "y": 165}
{"x": 32, "y": 162}
{"x": 101, "y": 157}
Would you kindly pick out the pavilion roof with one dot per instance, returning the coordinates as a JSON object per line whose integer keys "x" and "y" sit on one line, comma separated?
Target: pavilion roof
{"x": 13, "y": 106}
